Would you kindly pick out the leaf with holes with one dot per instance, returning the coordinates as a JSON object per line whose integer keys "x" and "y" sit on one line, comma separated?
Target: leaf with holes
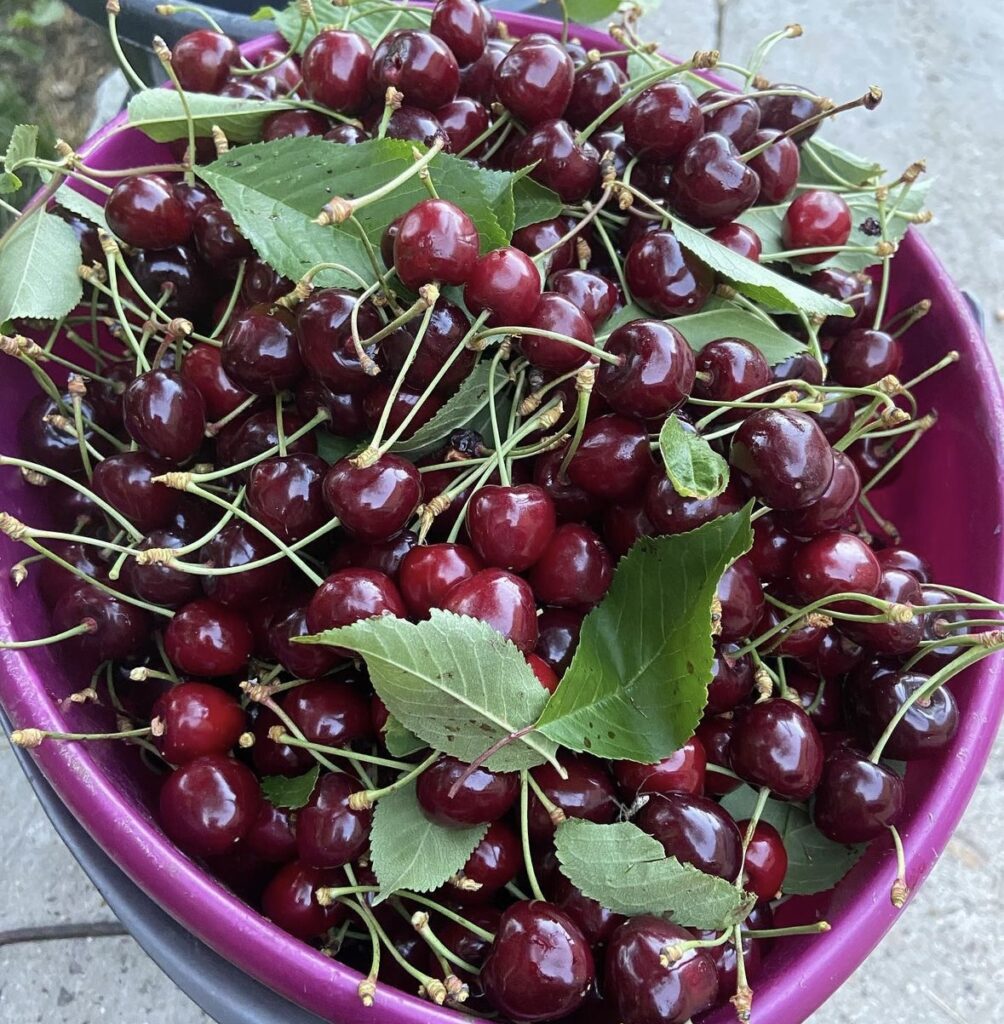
{"x": 815, "y": 863}
{"x": 410, "y": 852}
{"x": 455, "y": 683}
{"x": 694, "y": 468}
{"x": 38, "y": 269}
{"x": 369, "y": 21}
{"x": 627, "y": 871}
{"x": 159, "y": 114}
{"x": 638, "y": 682}
{"x": 292, "y": 793}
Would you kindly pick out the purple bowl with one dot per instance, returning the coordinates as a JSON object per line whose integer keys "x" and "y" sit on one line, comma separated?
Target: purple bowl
{"x": 948, "y": 501}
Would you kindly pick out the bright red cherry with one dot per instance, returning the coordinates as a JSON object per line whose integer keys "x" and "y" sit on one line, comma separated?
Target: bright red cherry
{"x": 197, "y": 719}
{"x": 816, "y": 219}
{"x": 546, "y": 675}
{"x": 740, "y": 239}
{"x": 208, "y": 639}
{"x": 665, "y": 279}
{"x": 766, "y": 861}
{"x": 510, "y": 527}
{"x": 436, "y": 241}
{"x": 682, "y": 772}
{"x": 336, "y": 67}
{"x": 502, "y": 600}
{"x": 202, "y": 60}
{"x": 428, "y": 571}
{"x": 373, "y": 502}
{"x": 506, "y": 283}
{"x": 144, "y": 212}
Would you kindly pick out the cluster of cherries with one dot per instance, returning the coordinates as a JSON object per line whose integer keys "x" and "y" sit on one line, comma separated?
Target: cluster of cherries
{"x": 205, "y": 509}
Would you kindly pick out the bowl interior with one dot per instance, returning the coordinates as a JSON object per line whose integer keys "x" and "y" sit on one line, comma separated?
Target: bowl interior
{"x": 946, "y": 500}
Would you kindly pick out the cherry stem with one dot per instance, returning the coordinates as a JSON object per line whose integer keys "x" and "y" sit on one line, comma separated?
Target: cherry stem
{"x": 583, "y": 387}
{"x": 232, "y": 303}
{"x": 420, "y": 922}
{"x": 891, "y": 463}
{"x": 524, "y": 814}
{"x": 743, "y": 999}
{"x": 556, "y": 814}
{"x": 763, "y": 48}
{"x": 583, "y": 346}
{"x": 212, "y": 429}
{"x": 900, "y": 891}
{"x": 592, "y": 211}
{"x": 818, "y": 928}
{"x": 674, "y": 952}
{"x": 711, "y": 108}
{"x": 908, "y": 316}
{"x": 885, "y": 525}
{"x": 450, "y": 915}
{"x": 366, "y": 363}
{"x": 34, "y": 737}
{"x": 368, "y": 797}
{"x": 795, "y": 254}
{"x": 112, "y": 8}
{"x": 287, "y": 739}
{"x": 941, "y": 364}
{"x": 113, "y": 254}
{"x": 85, "y": 626}
{"x": 499, "y": 122}
{"x": 163, "y": 54}
{"x": 722, "y": 770}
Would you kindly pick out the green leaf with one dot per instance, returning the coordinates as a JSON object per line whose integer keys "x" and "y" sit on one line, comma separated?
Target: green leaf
{"x": 694, "y": 468}
{"x": 586, "y": 11}
{"x": 638, "y": 682}
{"x": 38, "y": 269}
{"x": 627, "y": 871}
{"x": 372, "y": 25}
{"x": 753, "y": 280}
{"x": 469, "y": 400}
{"x": 331, "y": 447}
{"x": 22, "y": 146}
{"x": 815, "y": 863}
{"x": 411, "y": 852}
{"x": 70, "y": 199}
{"x": 534, "y": 202}
{"x": 290, "y": 792}
{"x": 9, "y": 183}
{"x": 454, "y": 682}
{"x": 827, "y": 165}
{"x": 264, "y": 14}
{"x": 159, "y": 114}
{"x": 399, "y": 741}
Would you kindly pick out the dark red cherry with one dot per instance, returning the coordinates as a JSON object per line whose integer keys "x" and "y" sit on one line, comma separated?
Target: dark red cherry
{"x": 446, "y": 333}
{"x": 347, "y": 135}
{"x": 209, "y": 804}
{"x": 330, "y": 833}
{"x": 587, "y": 793}
{"x": 816, "y": 218}
{"x": 246, "y": 438}
{"x": 402, "y": 405}
{"x": 125, "y": 481}
{"x": 773, "y": 548}
{"x": 670, "y": 512}
{"x": 305, "y": 661}
{"x": 290, "y": 901}
{"x": 463, "y": 26}
{"x": 203, "y": 368}
{"x": 535, "y": 79}
{"x": 937, "y": 623}
{"x": 778, "y": 166}
{"x": 559, "y": 636}
{"x": 510, "y": 527}
{"x": 731, "y": 369}
{"x": 144, "y": 212}
{"x": 596, "y": 87}
{"x": 502, "y": 600}
{"x": 597, "y": 922}
{"x": 284, "y": 495}
{"x": 556, "y": 314}
{"x": 656, "y": 370}
{"x": 477, "y": 79}
{"x": 715, "y": 735}
{"x": 495, "y": 862}
{"x": 800, "y": 640}
{"x": 899, "y": 587}
{"x": 909, "y": 561}
{"x": 737, "y": 120}
{"x": 464, "y": 121}
{"x": 165, "y": 414}
{"x": 927, "y": 727}
{"x": 574, "y": 570}
{"x": 284, "y": 71}
{"x": 642, "y": 989}
{"x": 118, "y": 630}
{"x": 858, "y": 290}
{"x": 766, "y": 861}
{"x": 731, "y": 679}
{"x": 662, "y": 121}
{"x": 801, "y": 366}
{"x": 782, "y": 112}
{"x": 384, "y": 556}
{"x": 820, "y": 696}
{"x": 325, "y": 337}
{"x": 834, "y": 563}
{"x": 832, "y": 509}
{"x": 564, "y": 164}
{"x": 349, "y": 595}
{"x": 207, "y": 639}
{"x": 776, "y": 745}
{"x": 696, "y": 831}
{"x": 596, "y": 296}
{"x": 739, "y": 239}
{"x": 862, "y": 357}
{"x": 483, "y": 796}
{"x": 506, "y": 283}
{"x": 665, "y": 279}
{"x": 856, "y": 800}
{"x": 785, "y": 455}
{"x": 197, "y": 719}
{"x": 373, "y": 502}
{"x": 294, "y": 124}
{"x": 418, "y": 65}
{"x": 682, "y": 772}
{"x": 272, "y": 836}
{"x": 42, "y": 441}
{"x": 235, "y": 547}
{"x": 159, "y": 583}
{"x": 202, "y": 60}
{"x": 536, "y": 238}
{"x": 415, "y": 125}
{"x": 260, "y": 352}
{"x": 836, "y": 654}
{"x": 345, "y": 411}
{"x": 742, "y": 601}
{"x": 217, "y": 238}
{"x": 540, "y": 965}
{"x": 710, "y": 185}
{"x": 436, "y": 241}
{"x": 176, "y": 273}
{"x": 613, "y": 460}
{"x": 571, "y": 503}
{"x": 336, "y": 66}
{"x": 624, "y": 526}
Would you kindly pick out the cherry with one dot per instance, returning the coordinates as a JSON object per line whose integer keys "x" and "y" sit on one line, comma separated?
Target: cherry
{"x": 731, "y": 369}
{"x": 546, "y": 675}
{"x": 536, "y": 238}
{"x": 284, "y": 495}
{"x": 662, "y": 121}
{"x": 176, "y": 271}
{"x": 571, "y": 503}
{"x": 202, "y": 367}
{"x": 574, "y": 570}
{"x": 695, "y": 830}
{"x": 144, "y": 212}
{"x": 209, "y": 803}
{"x": 260, "y": 352}
{"x": 505, "y": 283}
{"x": 597, "y": 922}
{"x": 324, "y": 333}
{"x": 510, "y": 527}
{"x": 294, "y": 124}
{"x": 564, "y": 163}
{"x": 463, "y": 26}
{"x": 347, "y": 135}
{"x": 785, "y": 455}
{"x": 447, "y": 331}
{"x": 495, "y": 862}
{"x": 731, "y": 679}
{"x": 816, "y": 218}
{"x": 417, "y": 64}
{"x": 165, "y": 414}
{"x": 197, "y": 719}
{"x": 862, "y": 357}
{"x": 716, "y": 735}
{"x": 909, "y": 561}
{"x": 401, "y": 406}
{"x": 646, "y": 992}
{"x": 436, "y": 241}
{"x": 559, "y": 636}
{"x": 336, "y": 66}
{"x": 345, "y": 411}
{"x": 385, "y": 556}
{"x": 285, "y": 77}
{"x": 786, "y": 111}
{"x": 217, "y": 239}
{"x": 349, "y": 595}
{"x": 477, "y": 79}
{"x": 935, "y": 623}
{"x": 856, "y": 800}
{"x": 41, "y": 441}
{"x": 899, "y": 587}
{"x": 237, "y": 545}
{"x": 776, "y": 745}
{"x": 207, "y": 639}
{"x": 724, "y": 955}
{"x": 737, "y": 121}
{"x": 464, "y": 121}
{"x": 502, "y": 600}
{"x": 272, "y": 837}
{"x": 778, "y": 166}
{"x": 330, "y": 833}
{"x": 742, "y": 600}
{"x": 194, "y": 195}
{"x": 663, "y": 278}
{"x": 428, "y": 572}
{"x": 801, "y": 366}
{"x": 710, "y": 185}
{"x": 925, "y": 730}
{"x": 305, "y": 661}
{"x": 800, "y": 640}
{"x": 587, "y": 793}
{"x": 373, "y": 502}
{"x": 596, "y": 296}
{"x": 159, "y": 583}
{"x": 836, "y": 654}
{"x": 290, "y": 901}
{"x": 833, "y": 508}
{"x": 739, "y": 239}
{"x": 126, "y": 482}
{"x": 247, "y": 438}
{"x": 834, "y": 563}
{"x": 416, "y": 125}
{"x": 540, "y": 965}
{"x": 773, "y": 548}
{"x": 484, "y": 796}
{"x": 596, "y": 87}
{"x": 857, "y": 290}
{"x": 821, "y": 695}
{"x": 118, "y": 630}
{"x": 670, "y": 512}
{"x": 535, "y": 79}
{"x": 613, "y": 460}
{"x": 766, "y": 861}
{"x": 202, "y": 60}
{"x": 54, "y": 580}
{"x": 682, "y": 772}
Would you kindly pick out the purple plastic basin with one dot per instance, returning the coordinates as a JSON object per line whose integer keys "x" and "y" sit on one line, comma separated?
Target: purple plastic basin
{"x": 948, "y": 500}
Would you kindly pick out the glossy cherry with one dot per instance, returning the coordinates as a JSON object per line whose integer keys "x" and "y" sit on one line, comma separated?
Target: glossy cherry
{"x": 731, "y": 368}
{"x": 862, "y": 357}
{"x": 910, "y": 561}
{"x": 597, "y": 922}
{"x": 246, "y": 438}
{"x": 495, "y": 862}
{"x": 436, "y": 241}
{"x": 695, "y": 830}
{"x": 833, "y": 509}
{"x": 237, "y": 546}
{"x": 898, "y": 587}
{"x": 483, "y": 796}
{"x": 203, "y": 368}
{"x": 294, "y": 124}
{"x": 463, "y": 26}
{"x": 739, "y": 239}
{"x": 144, "y": 212}
{"x": 349, "y": 595}
{"x": 325, "y": 338}
{"x": 556, "y": 314}
{"x": 260, "y": 352}
{"x": 571, "y": 502}
{"x": 330, "y": 833}
{"x": 284, "y": 494}
{"x": 613, "y": 460}
{"x": 587, "y": 793}
{"x": 682, "y": 772}
{"x": 290, "y": 901}
{"x": 737, "y": 120}
{"x": 564, "y": 163}
{"x": 218, "y": 240}
{"x": 126, "y": 482}
{"x": 665, "y": 279}
{"x": 858, "y": 290}
{"x": 535, "y": 79}
{"x": 595, "y": 295}
{"x": 202, "y": 60}
{"x": 502, "y": 600}
{"x": 662, "y": 121}
{"x": 197, "y": 719}
{"x": 336, "y": 67}
{"x": 510, "y": 527}
{"x": 856, "y": 800}
{"x": 778, "y": 166}
{"x": 597, "y": 85}
{"x": 559, "y": 636}
{"x": 574, "y": 569}
{"x": 670, "y": 512}
{"x": 710, "y": 185}
{"x": 546, "y": 675}
{"x": 834, "y": 563}
{"x": 118, "y": 630}
{"x": 464, "y": 120}
{"x": 165, "y": 414}
{"x": 816, "y": 218}
{"x": 208, "y": 639}
{"x": 536, "y": 238}
{"x": 766, "y": 861}
{"x": 175, "y": 277}
{"x": 784, "y": 111}
{"x": 304, "y": 661}
{"x": 373, "y": 502}
{"x": 417, "y": 64}
{"x": 742, "y": 601}
{"x": 506, "y": 283}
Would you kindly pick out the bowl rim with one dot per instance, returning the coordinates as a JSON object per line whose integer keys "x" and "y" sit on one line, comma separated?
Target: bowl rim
{"x": 328, "y": 988}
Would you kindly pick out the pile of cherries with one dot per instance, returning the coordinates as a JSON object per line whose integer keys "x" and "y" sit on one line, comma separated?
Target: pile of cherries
{"x": 190, "y": 465}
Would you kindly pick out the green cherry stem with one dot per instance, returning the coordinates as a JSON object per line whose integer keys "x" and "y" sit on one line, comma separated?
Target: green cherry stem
{"x": 112, "y": 8}
{"x": 501, "y": 121}
{"x": 30, "y": 738}
{"x": 163, "y": 53}
{"x": 232, "y": 302}
{"x": 597, "y": 353}
{"x": 817, "y": 928}
{"x": 279, "y": 735}
{"x": 524, "y": 815}
{"x": 450, "y": 915}
{"x": 900, "y": 891}
{"x": 420, "y": 922}
{"x": 368, "y": 797}
{"x": 87, "y": 625}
